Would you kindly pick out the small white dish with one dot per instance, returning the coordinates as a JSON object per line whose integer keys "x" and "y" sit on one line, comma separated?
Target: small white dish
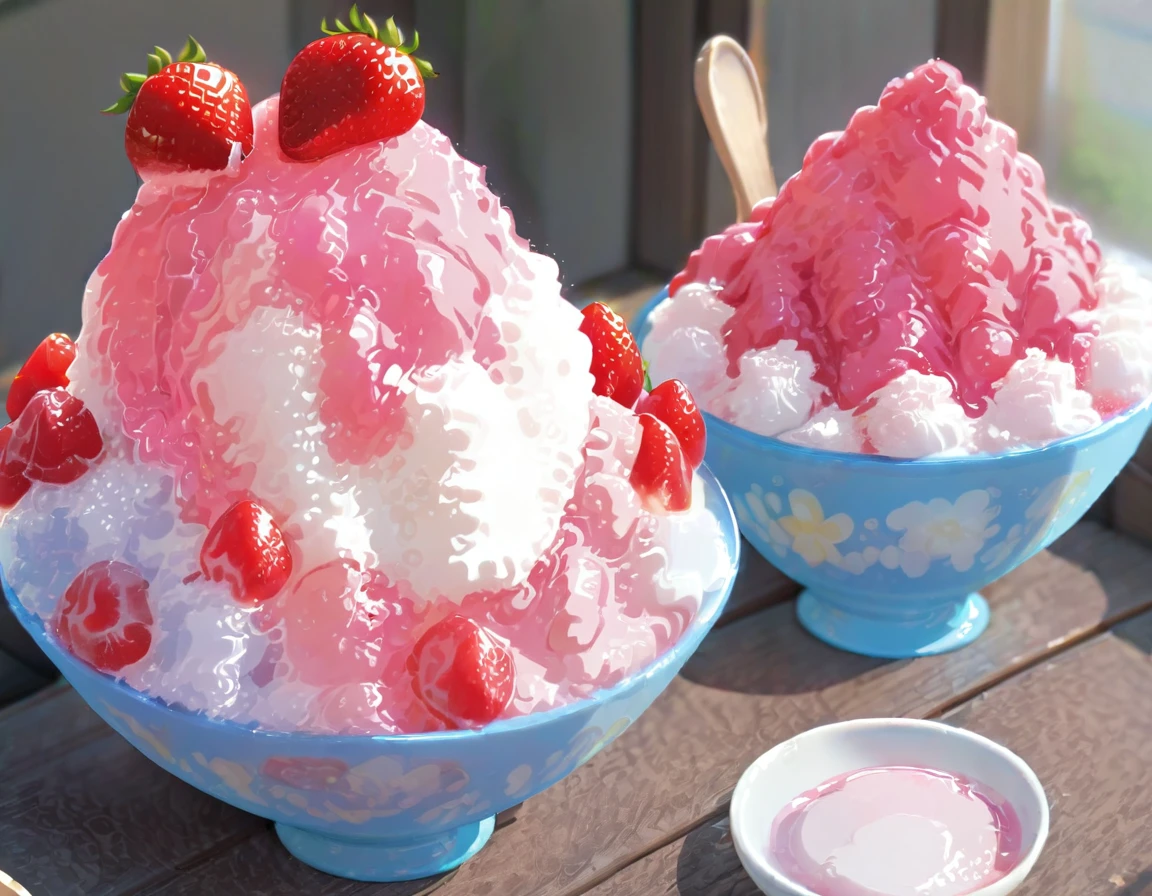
{"x": 809, "y": 759}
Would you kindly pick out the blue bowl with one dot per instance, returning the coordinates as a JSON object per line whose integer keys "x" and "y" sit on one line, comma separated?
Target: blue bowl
{"x": 893, "y": 552}
{"x": 387, "y": 808}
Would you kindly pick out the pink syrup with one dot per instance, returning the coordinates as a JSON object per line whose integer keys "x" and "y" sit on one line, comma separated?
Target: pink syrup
{"x": 896, "y": 831}
{"x": 917, "y": 239}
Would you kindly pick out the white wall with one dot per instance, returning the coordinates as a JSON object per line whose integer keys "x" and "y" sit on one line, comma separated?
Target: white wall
{"x": 64, "y": 179}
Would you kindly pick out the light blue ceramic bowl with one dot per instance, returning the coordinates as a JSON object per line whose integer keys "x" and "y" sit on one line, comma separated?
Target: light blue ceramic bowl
{"x": 386, "y": 808}
{"x": 893, "y": 552}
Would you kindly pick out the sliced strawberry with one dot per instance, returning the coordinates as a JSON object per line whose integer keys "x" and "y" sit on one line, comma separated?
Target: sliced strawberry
{"x": 673, "y": 404}
{"x": 616, "y": 363}
{"x": 14, "y": 484}
{"x": 55, "y": 438}
{"x": 359, "y": 85}
{"x": 661, "y": 475}
{"x": 104, "y": 618}
{"x": 187, "y": 114}
{"x": 46, "y": 368}
{"x": 246, "y": 549}
{"x": 461, "y": 673}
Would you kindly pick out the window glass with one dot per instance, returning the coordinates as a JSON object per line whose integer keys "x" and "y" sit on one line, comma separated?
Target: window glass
{"x": 1096, "y": 143}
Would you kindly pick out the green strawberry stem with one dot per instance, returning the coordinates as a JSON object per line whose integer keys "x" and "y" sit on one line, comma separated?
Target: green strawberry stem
{"x": 389, "y": 35}
{"x": 647, "y": 379}
{"x": 158, "y": 60}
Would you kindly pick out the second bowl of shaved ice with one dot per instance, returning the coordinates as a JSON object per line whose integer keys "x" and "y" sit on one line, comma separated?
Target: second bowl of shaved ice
{"x": 336, "y": 508}
{"x": 917, "y": 370}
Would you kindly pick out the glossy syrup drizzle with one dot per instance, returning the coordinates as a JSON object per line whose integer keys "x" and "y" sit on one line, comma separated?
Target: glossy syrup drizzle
{"x": 919, "y": 239}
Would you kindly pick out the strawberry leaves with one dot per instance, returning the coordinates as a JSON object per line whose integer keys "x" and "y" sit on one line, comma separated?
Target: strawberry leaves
{"x": 158, "y": 60}
{"x": 390, "y": 35}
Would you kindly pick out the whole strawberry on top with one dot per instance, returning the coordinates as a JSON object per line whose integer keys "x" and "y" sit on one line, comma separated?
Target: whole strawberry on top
{"x": 359, "y": 85}
{"x": 185, "y": 114}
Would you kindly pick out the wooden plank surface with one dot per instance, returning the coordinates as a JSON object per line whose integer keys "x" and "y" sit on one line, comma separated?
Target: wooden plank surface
{"x": 1083, "y": 721}
{"x": 17, "y": 680}
{"x": 1132, "y": 501}
{"x": 754, "y": 683}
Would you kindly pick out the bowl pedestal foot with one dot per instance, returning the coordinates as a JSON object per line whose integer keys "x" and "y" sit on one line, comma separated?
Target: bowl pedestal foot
{"x": 386, "y": 860}
{"x": 858, "y": 625}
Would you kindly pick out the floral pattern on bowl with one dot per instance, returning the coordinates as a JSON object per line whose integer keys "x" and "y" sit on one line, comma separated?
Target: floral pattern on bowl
{"x": 893, "y": 552}
{"x": 912, "y": 537}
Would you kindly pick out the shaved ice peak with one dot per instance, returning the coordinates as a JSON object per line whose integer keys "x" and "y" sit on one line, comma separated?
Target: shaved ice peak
{"x": 386, "y": 255}
{"x": 918, "y": 239}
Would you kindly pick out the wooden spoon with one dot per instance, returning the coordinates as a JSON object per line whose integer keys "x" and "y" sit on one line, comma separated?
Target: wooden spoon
{"x": 732, "y": 102}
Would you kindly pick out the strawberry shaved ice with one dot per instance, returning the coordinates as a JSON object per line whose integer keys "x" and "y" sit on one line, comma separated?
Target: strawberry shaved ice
{"x": 910, "y": 292}
{"x": 324, "y": 412}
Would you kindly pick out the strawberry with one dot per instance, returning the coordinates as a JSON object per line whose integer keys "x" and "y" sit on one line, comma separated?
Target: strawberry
{"x": 660, "y": 475}
{"x": 14, "y": 484}
{"x": 673, "y": 405}
{"x": 462, "y": 674}
{"x": 616, "y": 364}
{"x": 104, "y": 618}
{"x": 53, "y": 439}
{"x": 246, "y": 549}
{"x": 358, "y": 85}
{"x": 187, "y": 114}
{"x": 46, "y": 368}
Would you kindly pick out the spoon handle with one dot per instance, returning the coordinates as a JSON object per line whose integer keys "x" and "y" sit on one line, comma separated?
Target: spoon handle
{"x": 732, "y": 102}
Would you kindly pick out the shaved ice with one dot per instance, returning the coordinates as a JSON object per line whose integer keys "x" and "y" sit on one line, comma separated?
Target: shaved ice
{"x": 363, "y": 347}
{"x": 911, "y": 292}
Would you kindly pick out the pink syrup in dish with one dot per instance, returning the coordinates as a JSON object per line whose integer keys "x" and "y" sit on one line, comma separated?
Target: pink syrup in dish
{"x": 896, "y": 831}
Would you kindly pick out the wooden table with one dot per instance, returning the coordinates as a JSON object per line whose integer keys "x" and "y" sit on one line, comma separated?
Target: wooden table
{"x": 1062, "y": 676}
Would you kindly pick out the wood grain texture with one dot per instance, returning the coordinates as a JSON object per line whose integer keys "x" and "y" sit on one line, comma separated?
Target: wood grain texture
{"x": 102, "y": 819}
{"x": 758, "y": 585}
{"x": 1144, "y": 452}
{"x": 43, "y": 727}
{"x": 16, "y": 679}
{"x": 1132, "y": 501}
{"x": 756, "y": 682}
{"x": 1137, "y": 631}
{"x": 1083, "y": 721}
{"x": 1092, "y": 578}
{"x": 268, "y": 868}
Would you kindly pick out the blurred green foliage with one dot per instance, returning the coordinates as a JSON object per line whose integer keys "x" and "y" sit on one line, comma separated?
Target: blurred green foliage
{"x": 1105, "y": 167}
